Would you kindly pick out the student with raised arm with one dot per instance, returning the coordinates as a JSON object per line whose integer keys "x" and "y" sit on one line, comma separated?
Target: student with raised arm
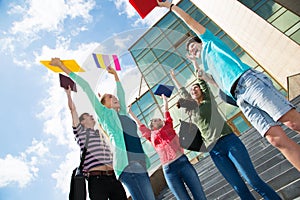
{"x": 177, "y": 169}
{"x": 262, "y": 104}
{"x": 97, "y": 165}
{"x": 130, "y": 162}
{"x": 227, "y": 151}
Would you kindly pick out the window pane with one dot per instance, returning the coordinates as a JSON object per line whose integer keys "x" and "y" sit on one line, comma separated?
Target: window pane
{"x": 296, "y": 36}
{"x": 285, "y": 21}
{"x": 148, "y": 58}
{"x": 163, "y": 45}
{"x": 229, "y": 42}
{"x": 267, "y": 9}
{"x": 240, "y": 124}
{"x": 138, "y": 47}
{"x": 155, "y": 75}
{"x": 212, "y": 27}
{"x": 249, "y": 3}
{"x": 167, "y": 20}
{"x": 185, "y": 4}
{"x": 198, "y": 15}
{"x": 248, "y": 60}
{"x": 172, "y": 60}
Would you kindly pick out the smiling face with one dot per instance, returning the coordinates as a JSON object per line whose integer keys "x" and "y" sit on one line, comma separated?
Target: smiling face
{"x": 156, "y": 124}
{"x": 110, "y": 101}
{"x": 194, "y": 49}
{"x": 196, "y": 92}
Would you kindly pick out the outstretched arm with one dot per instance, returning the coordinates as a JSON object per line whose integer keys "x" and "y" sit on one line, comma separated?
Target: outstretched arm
{"x": 200, "y": 72}
{"x": 113, "y": 72}
{"x": 75, "y": 118}
{"x": 120, "y": 91}
{"x": 57, "y": 62}
{"x": 146, "y": 132}
{"x": 135, "y": 118}
{"x": 178, "y": 85}
{"x": 165, "y": 102}
{"x": 192, "y": 23}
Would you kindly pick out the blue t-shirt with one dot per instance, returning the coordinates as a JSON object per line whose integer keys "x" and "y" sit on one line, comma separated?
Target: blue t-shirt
{"x": 219, "y": 61}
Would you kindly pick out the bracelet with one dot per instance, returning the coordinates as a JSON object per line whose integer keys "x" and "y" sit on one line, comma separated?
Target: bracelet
{"x": 171, "y": 6}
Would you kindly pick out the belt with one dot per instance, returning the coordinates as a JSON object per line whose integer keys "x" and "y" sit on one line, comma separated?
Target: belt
{"x": 233, "y": 87}
{"x": 101, "y": 173}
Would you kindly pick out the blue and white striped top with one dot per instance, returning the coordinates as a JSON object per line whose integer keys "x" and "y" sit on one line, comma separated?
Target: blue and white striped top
{"x": 98, "y": 150}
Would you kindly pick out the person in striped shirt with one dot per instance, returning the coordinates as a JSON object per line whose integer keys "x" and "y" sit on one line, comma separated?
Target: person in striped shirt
{"x": 97, "y": 165}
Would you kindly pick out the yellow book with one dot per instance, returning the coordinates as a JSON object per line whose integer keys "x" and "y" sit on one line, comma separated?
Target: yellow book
{"x": 70, "y": 64}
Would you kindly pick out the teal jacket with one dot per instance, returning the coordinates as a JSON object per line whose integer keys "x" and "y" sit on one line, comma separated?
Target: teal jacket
{"x": 109, "y": 120}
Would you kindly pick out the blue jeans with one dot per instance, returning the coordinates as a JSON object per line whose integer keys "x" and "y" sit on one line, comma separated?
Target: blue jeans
{"x": 231, "y": 157}
{"x": 179, "y": 172}
{"x": 137, "y": 181}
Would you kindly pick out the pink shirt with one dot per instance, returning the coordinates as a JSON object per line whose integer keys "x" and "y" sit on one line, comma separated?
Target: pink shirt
{"x": 165, "y": 140}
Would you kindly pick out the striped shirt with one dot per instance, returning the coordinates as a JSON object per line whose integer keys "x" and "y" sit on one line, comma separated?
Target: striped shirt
{"x": 98, "y": 150}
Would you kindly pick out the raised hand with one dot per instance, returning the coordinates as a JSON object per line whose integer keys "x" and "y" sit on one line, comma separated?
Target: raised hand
{"x": 172, "y": 74}
{"x": 56, "y": 62}
{"x": 165, "y": 4}
{"x": 191, "y": 57}
{"x": 68, "y": 91}
{"x": 111, "y": 70}
{"x": 165, "y": 100}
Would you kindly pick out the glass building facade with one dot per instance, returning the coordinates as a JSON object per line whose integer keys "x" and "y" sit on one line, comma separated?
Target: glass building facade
{"x": 162, "y": 48}
{"x": 280, "y": 17}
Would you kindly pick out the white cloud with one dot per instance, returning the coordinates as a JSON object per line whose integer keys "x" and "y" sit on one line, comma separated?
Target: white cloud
{"x": 63, "y": 51}
{"x": 126, "y": 8}
{"x": 155, "y": 15}
{"x": 62, "y": 175}
{"x": 49, "y": 14}
{"x": 122, "y": 43}
{"x": 38, "y": 148}
{"x": 22, "y": 169}
{"x": 15, "y": 170}
{"x": 35, "y": 19}
{"x": 6, "y": 45}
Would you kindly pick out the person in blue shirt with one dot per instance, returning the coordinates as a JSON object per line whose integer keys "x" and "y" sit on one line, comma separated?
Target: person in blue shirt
{"x": 261, "y": 103}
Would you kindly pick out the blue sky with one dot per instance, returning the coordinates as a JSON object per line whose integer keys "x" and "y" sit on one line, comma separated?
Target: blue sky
{"x": 38, "y": 151}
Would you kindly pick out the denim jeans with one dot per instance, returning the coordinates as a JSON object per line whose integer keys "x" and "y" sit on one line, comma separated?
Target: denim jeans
{"x": 137, "y": 181}
{"x": 179, "y": 172}
{"x": 261, "y": 103}
{"x": 231, "y": 157}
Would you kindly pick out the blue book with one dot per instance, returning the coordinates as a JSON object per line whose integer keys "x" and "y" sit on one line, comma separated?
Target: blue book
{"x": 164, "y": 89}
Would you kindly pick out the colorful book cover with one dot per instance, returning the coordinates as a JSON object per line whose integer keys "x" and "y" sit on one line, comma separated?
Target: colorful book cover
{"x": 104, "y": 61}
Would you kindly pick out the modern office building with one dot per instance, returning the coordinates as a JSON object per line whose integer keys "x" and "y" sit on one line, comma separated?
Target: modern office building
{"x": 264, "y": 33}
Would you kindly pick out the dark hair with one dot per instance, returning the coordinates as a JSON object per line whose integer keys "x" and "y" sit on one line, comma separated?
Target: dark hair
{"x": 191, "y": 40}
{"x": 81, "y": 117}
{"x": 197, "y": 85}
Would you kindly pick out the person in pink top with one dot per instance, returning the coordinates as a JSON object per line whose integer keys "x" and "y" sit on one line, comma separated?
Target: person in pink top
{"x": 176, "y": 166}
